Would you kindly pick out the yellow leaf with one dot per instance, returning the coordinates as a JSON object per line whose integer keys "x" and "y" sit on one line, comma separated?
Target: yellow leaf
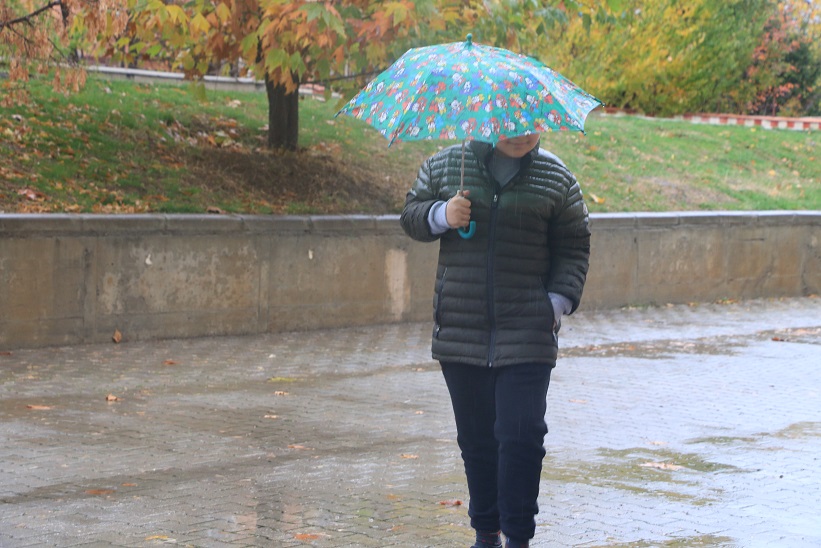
{"x": 223, "y": 12}
{"x": 199, "y": 24}
{"x": 176, "y": 13}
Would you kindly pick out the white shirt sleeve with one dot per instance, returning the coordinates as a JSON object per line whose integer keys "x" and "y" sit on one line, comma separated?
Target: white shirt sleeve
{"x": 561, "y": 306}
{"x": 437, "y": 219}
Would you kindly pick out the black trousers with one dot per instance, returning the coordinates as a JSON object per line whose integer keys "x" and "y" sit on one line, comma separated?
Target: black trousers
{"x": 500, "y": 425}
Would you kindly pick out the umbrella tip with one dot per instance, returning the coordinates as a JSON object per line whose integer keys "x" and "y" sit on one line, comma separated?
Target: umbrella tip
{"x": 470, "y": 39}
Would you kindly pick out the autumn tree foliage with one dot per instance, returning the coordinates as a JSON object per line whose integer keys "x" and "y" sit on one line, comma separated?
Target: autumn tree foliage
{"x": 656, "y": 56}
{"x": 39, "y": 36}
{"x": 786, "y": 64}
{"x": 662, "y": 57}
{"x": 282, "y": 43}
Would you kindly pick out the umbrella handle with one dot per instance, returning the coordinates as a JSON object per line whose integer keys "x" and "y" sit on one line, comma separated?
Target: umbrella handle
{"x": 467, "y": 233}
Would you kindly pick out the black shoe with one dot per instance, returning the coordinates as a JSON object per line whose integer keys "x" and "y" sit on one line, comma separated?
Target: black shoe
{"x": 517, "y": 543}
{"x": 488, "y": 539}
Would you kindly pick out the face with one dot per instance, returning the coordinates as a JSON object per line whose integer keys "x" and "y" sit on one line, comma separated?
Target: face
{"x": 516, "y": 147}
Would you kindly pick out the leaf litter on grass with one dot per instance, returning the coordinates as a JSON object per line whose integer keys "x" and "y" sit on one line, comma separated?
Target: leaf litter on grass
{"x": 121, "y": 147}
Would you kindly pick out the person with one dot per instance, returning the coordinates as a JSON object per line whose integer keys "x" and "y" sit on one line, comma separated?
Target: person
{"x": 498, "y": 302}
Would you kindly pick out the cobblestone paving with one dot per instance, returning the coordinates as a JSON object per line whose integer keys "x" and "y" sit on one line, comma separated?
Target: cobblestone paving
{"x": 675, "y": 426}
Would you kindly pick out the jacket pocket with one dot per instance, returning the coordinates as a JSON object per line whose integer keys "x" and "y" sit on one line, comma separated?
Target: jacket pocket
{"x": 439, "y": 295}
{"x": 554, "y": 323}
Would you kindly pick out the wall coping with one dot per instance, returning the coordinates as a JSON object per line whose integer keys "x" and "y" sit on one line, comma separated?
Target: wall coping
{"x": 35, "y": 224}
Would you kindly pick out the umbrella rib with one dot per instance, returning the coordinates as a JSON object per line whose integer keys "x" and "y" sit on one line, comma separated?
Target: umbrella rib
{"x": 416, "y": 93}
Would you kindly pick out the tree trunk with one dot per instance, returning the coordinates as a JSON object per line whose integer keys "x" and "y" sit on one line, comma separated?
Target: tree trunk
{"x": 283, "y": 116}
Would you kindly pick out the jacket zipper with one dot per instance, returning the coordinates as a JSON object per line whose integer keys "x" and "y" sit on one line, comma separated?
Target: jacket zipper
{"x": 438, "y": 318}
{"x": 491, "y": 313}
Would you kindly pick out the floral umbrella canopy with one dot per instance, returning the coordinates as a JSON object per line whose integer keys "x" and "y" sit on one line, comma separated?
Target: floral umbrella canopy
{"x": 469, "y": 91}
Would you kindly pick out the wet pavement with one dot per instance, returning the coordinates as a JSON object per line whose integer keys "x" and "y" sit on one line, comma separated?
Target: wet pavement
{"x": 674, "y": 426}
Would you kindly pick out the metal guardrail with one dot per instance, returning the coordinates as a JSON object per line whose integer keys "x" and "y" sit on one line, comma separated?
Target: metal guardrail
{"x": 226, "y": 83}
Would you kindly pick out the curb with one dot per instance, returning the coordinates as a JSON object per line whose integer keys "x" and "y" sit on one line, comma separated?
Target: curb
{"x": 766, "y": 122}
{"x": 746, "y": 120}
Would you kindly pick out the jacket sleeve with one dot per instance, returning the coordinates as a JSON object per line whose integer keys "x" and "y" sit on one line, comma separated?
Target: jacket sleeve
{"x": 418, "y": 203}
{"x": 569, "y": 241}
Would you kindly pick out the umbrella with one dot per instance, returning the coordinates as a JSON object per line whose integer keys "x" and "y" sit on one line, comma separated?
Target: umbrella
{"x": 469, "y": 91}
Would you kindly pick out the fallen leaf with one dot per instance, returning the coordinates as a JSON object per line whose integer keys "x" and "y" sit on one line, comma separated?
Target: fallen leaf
{"x": 111, "y": 398}
{"x": 157, "y": 537}
{"x": 454, "y": 502}
{"x": 129, "y": 485}
{"x": 307, "y": 536}
{"x": 169, "y": 362}
{"x": 270, "y": 416}
{"x": 99, "y": 492}
{"x": 214, "y": 210}
{"x": 294, "y": 446}
{"x": 419, "y": 413}
{"x": 32, "y": 195}
{"x": 662, "y": 465}
{"x": 779, "y": 339}
{"x": 280, "y": 393}
{"x": 409, "y": 456}
{"x": 39, "y": 407}
{"x": 596, "y": 199}
{"x": 117, "y": 337}
{"x": 5, "y": 353}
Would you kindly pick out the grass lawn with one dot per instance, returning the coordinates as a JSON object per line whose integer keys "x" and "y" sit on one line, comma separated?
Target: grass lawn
{"x": 120, "y": 147}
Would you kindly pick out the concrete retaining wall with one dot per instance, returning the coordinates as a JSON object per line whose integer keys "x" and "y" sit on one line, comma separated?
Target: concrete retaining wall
{"x": 71, "y": 279}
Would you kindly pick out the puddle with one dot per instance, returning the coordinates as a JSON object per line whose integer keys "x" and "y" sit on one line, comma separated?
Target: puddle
{"x": 689, "y": 461}
{"x": 799, "y": 430}
{"x": 675, "y": 476}
{"x": 682, "y": 542}
{"x": 723, "y": 440}
{"x": 657, "y": 349}
{"x": 806, "y": 335}
{"x": 796, "y": 431}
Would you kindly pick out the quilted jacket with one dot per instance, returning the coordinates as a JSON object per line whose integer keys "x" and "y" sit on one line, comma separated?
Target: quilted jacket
{"x": 491, "y": 303}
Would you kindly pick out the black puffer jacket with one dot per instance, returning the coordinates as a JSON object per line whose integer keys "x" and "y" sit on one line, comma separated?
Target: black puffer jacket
{"x": 491, "y": 305}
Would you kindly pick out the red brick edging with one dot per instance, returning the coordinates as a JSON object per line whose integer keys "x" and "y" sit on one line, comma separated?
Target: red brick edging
{"x": 766, "y": 122}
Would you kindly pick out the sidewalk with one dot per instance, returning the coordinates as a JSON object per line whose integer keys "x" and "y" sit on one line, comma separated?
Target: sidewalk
{"x": 676, "y": 426}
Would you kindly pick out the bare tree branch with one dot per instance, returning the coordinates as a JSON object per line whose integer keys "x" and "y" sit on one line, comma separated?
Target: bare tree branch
{"x": 27, "y": 18}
